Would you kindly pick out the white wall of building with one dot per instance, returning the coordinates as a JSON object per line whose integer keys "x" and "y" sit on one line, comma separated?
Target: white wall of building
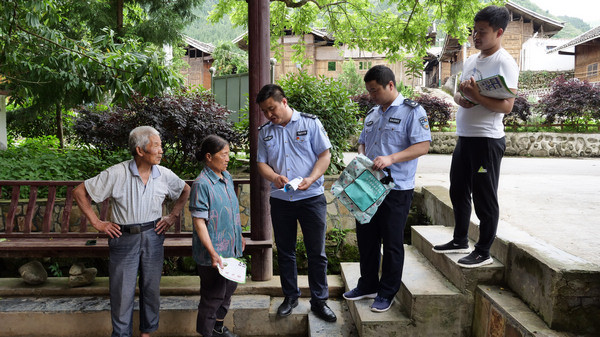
{"x": 535, "y": 58}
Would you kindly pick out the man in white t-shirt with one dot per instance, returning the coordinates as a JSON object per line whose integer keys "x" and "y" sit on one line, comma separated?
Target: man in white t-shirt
{"x": 475, "y": 167}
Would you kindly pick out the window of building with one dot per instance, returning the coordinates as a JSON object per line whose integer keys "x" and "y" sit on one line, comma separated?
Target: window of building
{"x": 592, "y": 70}
{"x": 364, "y": 65}
{"x": 331, "y": 66}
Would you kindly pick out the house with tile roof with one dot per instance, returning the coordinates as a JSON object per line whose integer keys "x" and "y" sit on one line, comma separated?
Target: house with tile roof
{"x": 524, "y": 24}
{"x": 587, "y": 54}
{"x": 327, "y": 59}
{"x": 198, "y": 55}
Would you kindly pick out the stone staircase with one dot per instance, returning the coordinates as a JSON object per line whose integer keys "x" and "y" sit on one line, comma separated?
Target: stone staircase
{"x": 531, "y": 289}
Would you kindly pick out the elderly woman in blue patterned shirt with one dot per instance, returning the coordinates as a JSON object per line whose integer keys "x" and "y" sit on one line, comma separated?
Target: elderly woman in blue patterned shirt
{"x": 217, "y": 233}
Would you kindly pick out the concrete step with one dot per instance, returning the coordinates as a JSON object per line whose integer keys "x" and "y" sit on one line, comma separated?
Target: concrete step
{"x": 343, "y": 327}
{"x": 557, "y": 285}
{"x": 435, "y": 305}
{"x": 500, "y": 312}
{"x": 249, "y": 316}
{"x": 368, "y": 323}
{"x": 169, "y": 286}
{"x": 90, "y": 316}
{"x": 465, "y": 279}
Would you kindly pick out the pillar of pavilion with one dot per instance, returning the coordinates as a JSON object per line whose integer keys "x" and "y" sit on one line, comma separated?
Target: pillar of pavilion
{"x": 258, "y": 69}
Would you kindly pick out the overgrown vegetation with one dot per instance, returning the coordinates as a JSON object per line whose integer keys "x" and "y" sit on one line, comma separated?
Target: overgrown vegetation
{"x": 540, "y": 79}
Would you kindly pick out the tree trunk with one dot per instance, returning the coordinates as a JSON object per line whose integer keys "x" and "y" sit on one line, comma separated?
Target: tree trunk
{"x": 59, "y": 126}
{"x": 119, "y": 17}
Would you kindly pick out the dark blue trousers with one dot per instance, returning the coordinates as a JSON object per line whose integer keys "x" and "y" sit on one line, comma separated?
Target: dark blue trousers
{"x": 387, "y": 228}
{"x": 311, "y": 213}
{"x": 475, "y": 171}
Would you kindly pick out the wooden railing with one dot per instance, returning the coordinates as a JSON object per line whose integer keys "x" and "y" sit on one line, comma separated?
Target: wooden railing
{"x": 35, "y": 240}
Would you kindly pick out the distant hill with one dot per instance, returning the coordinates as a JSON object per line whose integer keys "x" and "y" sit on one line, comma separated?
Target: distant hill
{"x": 205, "y": 31}
{"x": 573, "y": 26}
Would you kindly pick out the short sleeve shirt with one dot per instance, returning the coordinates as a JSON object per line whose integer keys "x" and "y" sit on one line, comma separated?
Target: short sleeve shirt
{"x": 394, "y": 130}
{"x": 292, "y": 151}
{"x": 214, "y": 200}
{"x": 132, "y": 202}
{"x": 479, "y": 121}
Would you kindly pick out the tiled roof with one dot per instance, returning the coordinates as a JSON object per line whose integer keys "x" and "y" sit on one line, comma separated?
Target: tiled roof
{"x": 202, "y": 46}
{"x": 591, "y": 34}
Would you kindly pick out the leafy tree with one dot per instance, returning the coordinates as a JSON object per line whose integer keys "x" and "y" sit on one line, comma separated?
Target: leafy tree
{"x": 204, "y": 30}
{"x": 183, "y": 120}
{"x": 572, "y": 101}
{"x": 56, "y": 55}
{"x": 329, "y": 99}
{"x": 229, "y": 59}
{"x": 351, "y": 79}
{"x": 397, "y": 28}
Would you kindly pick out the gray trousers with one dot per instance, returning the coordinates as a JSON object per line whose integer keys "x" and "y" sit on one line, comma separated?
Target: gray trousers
{"x": 128, "y": 254}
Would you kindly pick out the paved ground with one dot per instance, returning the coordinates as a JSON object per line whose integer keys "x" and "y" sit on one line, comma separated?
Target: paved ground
{"x": 554, "y": 199}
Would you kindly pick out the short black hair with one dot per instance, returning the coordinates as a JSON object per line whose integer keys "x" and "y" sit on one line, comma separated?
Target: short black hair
{"x": 268, "y": 91}
{"x": 497, "y": 17}
{"x": 381, "y": 74}
{"x": 210, "y": 144}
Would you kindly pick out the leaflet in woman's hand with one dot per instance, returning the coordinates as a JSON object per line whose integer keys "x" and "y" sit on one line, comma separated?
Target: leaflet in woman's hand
{"x": 233, "y": 269}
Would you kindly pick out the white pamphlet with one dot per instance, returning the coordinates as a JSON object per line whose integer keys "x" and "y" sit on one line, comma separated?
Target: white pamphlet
{"x": 292, "y": 185}
{"x": 233, "y": 269}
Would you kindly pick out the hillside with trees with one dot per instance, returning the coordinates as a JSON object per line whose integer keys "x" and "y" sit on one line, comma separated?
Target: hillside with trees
{"x": 573, "y": 26}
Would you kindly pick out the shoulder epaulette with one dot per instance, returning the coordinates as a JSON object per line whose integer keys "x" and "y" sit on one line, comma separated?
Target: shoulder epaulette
{"x": 307, "y": 115}
{"x": 411, "y": 103}
{"x": 372, "y": 109}
{"x": 262, "y": 126}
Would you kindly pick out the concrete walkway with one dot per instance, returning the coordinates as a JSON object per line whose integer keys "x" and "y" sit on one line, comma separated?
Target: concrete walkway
{"x": 556, "y": 200}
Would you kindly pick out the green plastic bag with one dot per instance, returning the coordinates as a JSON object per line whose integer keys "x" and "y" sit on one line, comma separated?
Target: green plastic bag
{"x": 361, "y": 189}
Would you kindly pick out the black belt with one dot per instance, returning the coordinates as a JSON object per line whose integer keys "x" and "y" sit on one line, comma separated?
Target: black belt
{"x": 138, "y": 227}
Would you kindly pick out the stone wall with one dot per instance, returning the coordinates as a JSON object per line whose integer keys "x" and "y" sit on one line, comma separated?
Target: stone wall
{"x": 534, "y": 144}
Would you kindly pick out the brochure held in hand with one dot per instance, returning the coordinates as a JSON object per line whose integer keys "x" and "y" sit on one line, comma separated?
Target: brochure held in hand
{"x": 494, "y": 87}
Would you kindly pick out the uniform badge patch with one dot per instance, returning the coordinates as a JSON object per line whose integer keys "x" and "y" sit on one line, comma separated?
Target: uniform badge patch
{"x": 394, "y": 120}
{"x": 302, "y": 133}
{"x": 369, "y": 123}
{"x": 267, "y": 138}
{"x": 424, "y": 123}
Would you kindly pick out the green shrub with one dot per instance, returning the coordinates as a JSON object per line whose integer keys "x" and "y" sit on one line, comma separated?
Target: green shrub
{"x": 31, "y": 122}
{"x": 41, "y": 159}
{"x": 328, "y": 99}
{"x": 183, "y": 120}
{"x": 540, "y": 79}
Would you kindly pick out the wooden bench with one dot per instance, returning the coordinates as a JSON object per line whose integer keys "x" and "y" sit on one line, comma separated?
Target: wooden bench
{"x": 48, "y": 242}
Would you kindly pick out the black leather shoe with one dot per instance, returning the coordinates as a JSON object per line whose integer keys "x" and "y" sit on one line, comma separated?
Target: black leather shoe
{"x": 224, "y": 332}
{"x": 323, "y": 312}
{"x": 285, "y": 309}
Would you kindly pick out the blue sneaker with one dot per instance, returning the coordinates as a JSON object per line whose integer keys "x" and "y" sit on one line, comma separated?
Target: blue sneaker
{"x": 381, "y": 304}
{"x": 357, "y": 294}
